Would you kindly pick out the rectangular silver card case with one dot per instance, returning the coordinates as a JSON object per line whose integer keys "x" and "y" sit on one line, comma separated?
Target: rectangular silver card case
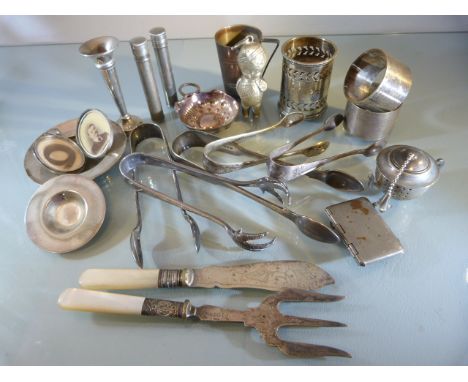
{"x": 363, "y": 231}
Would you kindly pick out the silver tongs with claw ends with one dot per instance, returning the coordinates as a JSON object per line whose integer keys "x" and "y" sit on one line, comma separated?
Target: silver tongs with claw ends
{"x": 288, "y": 120}
{"x": 286, "y": 171}
{"x": 333, "y": 178}
{"x": 139, "y": 134}
{"x": 309, "y": 227}
{"x": 132, "y": 162}
{"x": 266, "y": 318}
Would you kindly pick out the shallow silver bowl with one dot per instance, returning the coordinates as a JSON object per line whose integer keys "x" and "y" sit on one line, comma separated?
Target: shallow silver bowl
{"x": 206, "y": 111}
{"x": 65, "y": 213}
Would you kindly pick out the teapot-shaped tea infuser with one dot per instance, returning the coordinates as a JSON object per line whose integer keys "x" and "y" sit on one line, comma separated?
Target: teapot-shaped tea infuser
{"x": 406, "y": 172}
{"x": 252, "y": 60}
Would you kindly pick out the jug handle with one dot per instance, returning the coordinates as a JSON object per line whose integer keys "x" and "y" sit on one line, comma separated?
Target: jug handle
{"x": 273, "y": 41}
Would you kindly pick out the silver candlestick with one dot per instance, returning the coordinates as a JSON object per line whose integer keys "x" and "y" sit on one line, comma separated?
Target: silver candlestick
{"x": 101, "y": 50}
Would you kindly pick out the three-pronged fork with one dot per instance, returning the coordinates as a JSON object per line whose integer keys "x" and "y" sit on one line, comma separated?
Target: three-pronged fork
{"x": 266, "y": 318}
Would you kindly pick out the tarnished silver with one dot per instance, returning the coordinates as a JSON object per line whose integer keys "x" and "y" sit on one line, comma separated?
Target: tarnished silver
{"x": 65, "y": 213}
{"x": 333, "y": 178}
{"x": 190, "y": 139}
{"x": 165, "y": 308}
{"x": 369, "y": 125}
{"x": 376, "y": 81}
{"x": 170, "y": 278}
{"x": 363, "y": 231}
{"x": 141, "y": 133}
{"x": 101, "y": 51}
{"x": 226, "y": 38}
{"x": 94, "y": 133}
{"x": 306, "y": 75}
{"x": 200, "y": 139}
{"x": 384, "y": 202}
{"x": 421, "y": 173}
{"x": 142, "y": 56}
{"x": 288, "y": 120}
{"x": 161, "y": 50}
{"x": 288, "y": 172}
{"x": 309, "y": 227}
{"x": 252, "y": 60}
{"x": 92, "y": 168}
{"x": 284, "y": 171}
{"x": 135, "y": 235}
{"x": 71, "y": 157}
{"x": 133, "y": 161}
{"x": 205, "y": 110}
{"x": 267, "y": 275}
{"x": 266, "y": 318}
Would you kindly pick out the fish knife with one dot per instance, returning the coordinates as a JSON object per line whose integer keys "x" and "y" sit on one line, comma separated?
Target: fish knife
{"x": 270, "y": 275}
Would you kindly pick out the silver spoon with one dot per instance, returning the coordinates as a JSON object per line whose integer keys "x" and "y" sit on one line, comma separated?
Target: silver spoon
{"x": 290, "y": 172}
{"x": 309, "y": 227}
{"x": 286, "y": 172}
{"x": 337, "y": 179}
{"x": 288, "y": 120}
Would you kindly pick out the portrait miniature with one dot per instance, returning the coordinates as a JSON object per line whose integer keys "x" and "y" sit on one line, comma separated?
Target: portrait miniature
{"x": 94, "y": 133}
{"x": 58, "y": 154}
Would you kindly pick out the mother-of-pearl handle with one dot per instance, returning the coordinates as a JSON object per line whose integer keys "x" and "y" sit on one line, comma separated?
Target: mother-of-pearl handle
{"x": 100, "y": 302}
{"x": 107, "y": 279}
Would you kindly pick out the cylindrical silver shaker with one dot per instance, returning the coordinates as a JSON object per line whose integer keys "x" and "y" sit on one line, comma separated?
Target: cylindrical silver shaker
{"x": 159, "y": 40}
{"x": 143, "y": 60}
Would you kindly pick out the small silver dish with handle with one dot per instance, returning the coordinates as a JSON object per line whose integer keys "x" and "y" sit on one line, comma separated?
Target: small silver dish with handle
{"x": 206, "y": 110}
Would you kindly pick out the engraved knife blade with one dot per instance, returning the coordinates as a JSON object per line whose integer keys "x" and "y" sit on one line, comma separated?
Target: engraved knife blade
{"x": 271, "y": 275}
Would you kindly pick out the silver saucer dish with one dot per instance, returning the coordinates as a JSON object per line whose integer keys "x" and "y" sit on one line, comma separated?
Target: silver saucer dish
{"x": 65, "y": 213}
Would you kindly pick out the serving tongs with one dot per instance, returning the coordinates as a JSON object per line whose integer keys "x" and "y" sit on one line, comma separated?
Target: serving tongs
{"x": 289, "y": 120}
{"x": 266, "y": 318}
{"x": 138, "y": 135}
{"x": 133, "y": 162}
{"x": 309, "y": 227}
{"x": 280, "y": 170}
{"x": 191, "y": 139}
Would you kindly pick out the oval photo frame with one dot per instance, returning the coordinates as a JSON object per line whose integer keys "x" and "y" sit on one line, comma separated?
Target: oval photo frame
{"x": 94, "y": 133}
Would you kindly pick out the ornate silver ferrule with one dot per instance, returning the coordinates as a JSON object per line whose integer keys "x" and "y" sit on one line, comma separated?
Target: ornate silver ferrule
{"x": 165, "y": 308}
{"x": 175, "y": 278}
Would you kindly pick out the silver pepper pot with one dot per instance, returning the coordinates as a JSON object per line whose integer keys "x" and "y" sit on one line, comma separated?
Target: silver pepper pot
{"x": 252, "y": 60}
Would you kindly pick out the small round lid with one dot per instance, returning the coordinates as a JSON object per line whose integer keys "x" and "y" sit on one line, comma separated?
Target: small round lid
{"x": 158, "y": 37}
{"x": 421, "y": 171}
{"x": 420, "y": 162}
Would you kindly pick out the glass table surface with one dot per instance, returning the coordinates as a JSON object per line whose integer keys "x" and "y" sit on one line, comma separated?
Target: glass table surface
{"x": 410, "y": 309}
